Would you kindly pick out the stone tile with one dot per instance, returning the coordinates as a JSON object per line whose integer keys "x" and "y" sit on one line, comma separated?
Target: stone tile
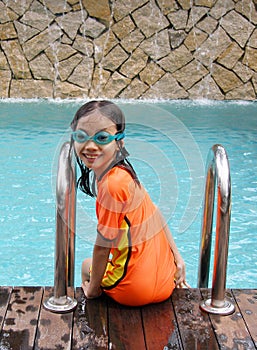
{"x": 6, "y": 14}
{"x": 41, "y": 41}
{"x": 221, "y": 7}
{"x": 7, "y": 31}
{"x": 71, "y": 22}
{"x": 59, "y": 52}
{"x": 135, "y": 89}
{"x": 100, "y": 10}
{"x": 25, "y": 32}
{"x": 254, "y": 81}
{"x": 176, "y": 59}
{"x": 151, "y": 74}
{"x": 3, "y": 62}
{"x": 100, "y": 78}
{"x": 42, "y": 68}
{"x": 230, "y": 56}
{"x": 82, "y": 74}
{"x": 134, "y": 64}
{"x": 224, "y": 78}
{"x": 157, "y": 46}
{"x": 166, "y": 88}
{"x": 123, "y": 8}
{"x": 149, "y": 19}
{"x": 185, "y": 4}
{"x": 66, "y": 90}
{"x": 206, "y": 89}
{"x": 211, "y": 49}
{"x": 242, "y": 92}
{"x": 176, "y": 37}
{"x": 57, "y": 6}
{"x": 72, "y": 2}
{"x": 237, "y": 27}
{"x": 123, "y": 27}
{"x": 253, "y": 40}
{"x": 92, "y": 28}
{"x": 195, "y": 39}
{"x": 16, "y": 59}
{"x": 84, "y": 45}
{"x": 114, "y": 58}
{"x": 30, "y": 88}
{"x": 247, "y": 9}
{"x": 244, "y": 72}
{"x": 190, "y": 74}
{"x": 208, "y": 25}
{"x": 66, "y": 40}
{"x": 206, "y": 3}
{"x": 103, "y": 45}
{"x": 250, "y": 58}
{"x": 132, "y": 41}
{"x": 196, "y": 14}
{"x": 167, "y": 6}
{"x": 66, "y": 67}
{"x": 115, "y": 85}
{"x": 20, "y": 7}
{"x": 5, "y": 78}
{"x": 178, "y": 19}
{"x": 37, "y": 16}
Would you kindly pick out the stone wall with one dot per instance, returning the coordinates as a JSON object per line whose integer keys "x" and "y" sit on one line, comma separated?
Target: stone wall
{"x": 171, "y": 49}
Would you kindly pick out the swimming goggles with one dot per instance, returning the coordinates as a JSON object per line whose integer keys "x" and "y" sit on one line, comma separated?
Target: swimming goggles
{"x": 100, "y": 138}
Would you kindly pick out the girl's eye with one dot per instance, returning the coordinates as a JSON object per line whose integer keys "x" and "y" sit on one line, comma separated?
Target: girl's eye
{"x": 102, "y": 137}
{"x": 80, "y": 136}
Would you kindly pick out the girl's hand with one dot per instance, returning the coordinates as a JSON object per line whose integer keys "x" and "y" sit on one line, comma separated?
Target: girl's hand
{"x": 89, "y": 292}
{"x": 180, "y": 275}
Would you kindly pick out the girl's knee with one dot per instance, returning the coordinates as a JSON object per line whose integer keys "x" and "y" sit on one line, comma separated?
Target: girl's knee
{"x": 85, "y": 269}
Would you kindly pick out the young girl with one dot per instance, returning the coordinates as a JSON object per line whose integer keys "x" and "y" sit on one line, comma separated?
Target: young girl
{"x": 135, "y": 260}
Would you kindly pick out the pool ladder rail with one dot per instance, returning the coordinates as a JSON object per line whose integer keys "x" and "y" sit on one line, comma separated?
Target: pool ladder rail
{"x": 217, "y": 171}
{"x": 65, "y": 232}
{"x": 217, "y": 167}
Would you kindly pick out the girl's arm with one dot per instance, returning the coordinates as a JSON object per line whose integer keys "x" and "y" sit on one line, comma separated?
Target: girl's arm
{"x": 180, "y": 275}
{"x": 101, "y": 253}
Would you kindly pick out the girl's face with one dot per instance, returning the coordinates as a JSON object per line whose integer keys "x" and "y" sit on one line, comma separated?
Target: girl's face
{"x": 94, "y": 156}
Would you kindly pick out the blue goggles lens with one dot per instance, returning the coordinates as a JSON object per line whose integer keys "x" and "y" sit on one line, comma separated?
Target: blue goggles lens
{"x": 100, "y": 138}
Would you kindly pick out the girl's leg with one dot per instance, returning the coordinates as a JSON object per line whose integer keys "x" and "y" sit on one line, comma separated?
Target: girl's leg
{"x": 85, "y": 268}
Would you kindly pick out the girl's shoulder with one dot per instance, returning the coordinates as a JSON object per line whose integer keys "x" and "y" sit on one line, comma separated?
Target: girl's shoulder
{"x": 116, "y": 174}
{"x": 118, "y": 182}
{"x": 118, "y": 177}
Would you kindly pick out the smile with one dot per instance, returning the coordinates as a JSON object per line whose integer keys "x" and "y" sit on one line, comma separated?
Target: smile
{"x": 90, "y": 157}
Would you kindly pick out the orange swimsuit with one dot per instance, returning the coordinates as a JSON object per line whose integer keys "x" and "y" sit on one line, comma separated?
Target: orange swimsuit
{"x": 141, "y": 267}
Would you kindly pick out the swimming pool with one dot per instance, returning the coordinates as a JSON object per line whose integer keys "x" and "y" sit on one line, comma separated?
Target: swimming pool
{"x": 168, "y": 142}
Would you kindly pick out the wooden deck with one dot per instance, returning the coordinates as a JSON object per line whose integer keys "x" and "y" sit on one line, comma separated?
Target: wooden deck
{"x": 176, "y": 323}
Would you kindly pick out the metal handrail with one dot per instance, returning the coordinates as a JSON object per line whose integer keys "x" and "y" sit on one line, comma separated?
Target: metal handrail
{"x": 217, "y": 172}
{"x": 65, "y": 232}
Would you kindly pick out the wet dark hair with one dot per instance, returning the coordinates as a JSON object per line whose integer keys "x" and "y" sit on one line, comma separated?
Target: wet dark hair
{"x": 108, "y": 109}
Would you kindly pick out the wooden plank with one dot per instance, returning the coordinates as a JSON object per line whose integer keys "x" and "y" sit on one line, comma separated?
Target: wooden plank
{"x": 5, "y": 294}
{"x": 54, "y": 329}
{"x": 230, "y": 330}
{"x": 90, "y": 330}
{"x": 19, "y": 328}
{"x": 194, "y": 325}
{"x": 247, "y": 302}
{"x": 125, "y": 327}
{"x": 160, "y": 326}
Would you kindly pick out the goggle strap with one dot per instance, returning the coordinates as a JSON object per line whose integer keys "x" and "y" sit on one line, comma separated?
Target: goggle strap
{"x": 120, "y": 136}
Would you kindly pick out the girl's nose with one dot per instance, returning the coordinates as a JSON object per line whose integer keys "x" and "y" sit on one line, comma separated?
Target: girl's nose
{"x": 90, "y": 144}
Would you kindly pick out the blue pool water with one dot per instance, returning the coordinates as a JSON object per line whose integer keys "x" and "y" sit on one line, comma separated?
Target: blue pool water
{"x": 168, "y": 143}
